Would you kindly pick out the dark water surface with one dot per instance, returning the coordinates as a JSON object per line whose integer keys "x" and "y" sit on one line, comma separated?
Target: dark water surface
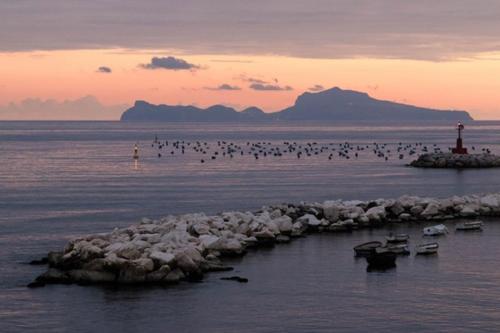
{"x": 61, "y": 179}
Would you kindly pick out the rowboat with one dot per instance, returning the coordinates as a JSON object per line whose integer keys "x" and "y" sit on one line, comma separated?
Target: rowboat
{"x": 400, "y": 238}
{"x": 435, "y": 230}
{"x": 429, "y": 248}
{"x": 366, "y": 249}
{"x": 381, "y": 259}
{"x": 471, "y": 225}
{"x": 400, "y": 249}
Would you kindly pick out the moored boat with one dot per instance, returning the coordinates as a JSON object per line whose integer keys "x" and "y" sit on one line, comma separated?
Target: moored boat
{"x": 429, "y": 248}
{"x": 366, "y": 249}
{"x": 381, "y": 259}
{"x": 471, "y": 225}
{"x": 400, "y": 249}
{"x": 435, "y": 230}
{"x": 399, "y": 238}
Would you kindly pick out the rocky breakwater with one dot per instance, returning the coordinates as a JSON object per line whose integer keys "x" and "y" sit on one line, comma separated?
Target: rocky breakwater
{"x": 456, "y": 161}
{"x": 185, "y": 247}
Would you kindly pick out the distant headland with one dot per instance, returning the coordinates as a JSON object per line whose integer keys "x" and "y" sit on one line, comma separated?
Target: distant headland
{"x": 330, "y": 105}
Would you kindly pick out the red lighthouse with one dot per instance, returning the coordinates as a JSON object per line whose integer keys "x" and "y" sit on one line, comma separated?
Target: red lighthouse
{"x": 459, "y": 149}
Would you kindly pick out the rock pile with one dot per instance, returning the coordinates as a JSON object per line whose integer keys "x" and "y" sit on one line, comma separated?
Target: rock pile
{"x": 185, "y": 247}
{"x": 456, "y": 161}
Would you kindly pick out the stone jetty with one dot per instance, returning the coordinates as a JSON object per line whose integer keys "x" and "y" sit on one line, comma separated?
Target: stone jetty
{"x": 456, "y": 161}
{"x": 185, "y": 247}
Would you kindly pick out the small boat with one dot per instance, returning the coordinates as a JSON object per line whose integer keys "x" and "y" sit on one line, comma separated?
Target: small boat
{"x": 366, "y": 249}
{"x": 471, "y": 225}
{"x": 435, "y": 230}
{"x": 400, "y": 249}
{"x": 429, "y": 248}
{"x": 381, "y": 259}
{"x": 400, "y": 238}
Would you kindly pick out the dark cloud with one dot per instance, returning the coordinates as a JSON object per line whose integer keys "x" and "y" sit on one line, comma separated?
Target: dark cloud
{"x": 245, "y": 78}
{"x": 104, "y": 69}
{"x": 269, "y": 87}
{"x": 316, "y": 88}
{"x": 170, "y": 63}
{"x": 257, "y": 81}
{"x": 424, "y": 29}
{"x": 224, "y": 86}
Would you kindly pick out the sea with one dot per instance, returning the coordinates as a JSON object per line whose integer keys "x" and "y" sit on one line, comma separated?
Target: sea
{"x": 60, "y": 180}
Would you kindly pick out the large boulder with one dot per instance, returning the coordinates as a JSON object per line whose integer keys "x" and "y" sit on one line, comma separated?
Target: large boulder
{"x": 331, "y": 210}
{"x": 309, "y": 220}
{"x": 431, "y": 210}
{"x": 189, "y": 262}
{"x": 468, "y": 211}
{"x": 231, "y": 247}
{"x": 397, "y": 208}
{"x": 285, "y": 224}
{"x": 416, "y": 210}
{"x": 490, "y": 201}
{"x": 159, "y": 275}
{"x": 127, "y": 250}
{"x": 376, "y": 213}
{"x": 162, "y": 258}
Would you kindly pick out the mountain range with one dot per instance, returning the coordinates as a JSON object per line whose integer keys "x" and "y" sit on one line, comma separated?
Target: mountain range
{"x": 329, "y": 105}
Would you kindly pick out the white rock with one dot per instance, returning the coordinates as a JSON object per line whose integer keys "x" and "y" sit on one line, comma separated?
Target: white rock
{"x": 201, "y": 228}
{"x": 125, "y": 250}
{"x": 284, "y": 224}
{"x": 331, "y": 210}
{"x": 264, "y": 234}
{"x": 231, "y": 246}
{"x": 468, "y": 210}
{"x": 309, "y": 220}
{"x": 354, "y": 212}
{"x": 209, "y": 241}
{"x": 405, "y": 217}
{"x": 162, "y": 257}
{"x": 376, "y": 213}
{"x": 354, "y": 203}
{"x": 490, "y": 201}
{"x": 432, "y": 209}
{"x": 186, "y": 263}
{"x": 146, "y": 263}
{"x": 275, "y": 214}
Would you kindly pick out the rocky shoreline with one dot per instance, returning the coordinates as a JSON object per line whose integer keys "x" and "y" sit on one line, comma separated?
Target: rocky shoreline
{"x": 185, "y": 247}
{"x": 456, "y": 161}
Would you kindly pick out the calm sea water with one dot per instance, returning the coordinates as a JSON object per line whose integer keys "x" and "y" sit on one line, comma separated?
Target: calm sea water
{"x": 64, "y": 179}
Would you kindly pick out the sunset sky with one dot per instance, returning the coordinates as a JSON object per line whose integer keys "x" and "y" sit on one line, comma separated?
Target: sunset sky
{"x": 64, "y": 59}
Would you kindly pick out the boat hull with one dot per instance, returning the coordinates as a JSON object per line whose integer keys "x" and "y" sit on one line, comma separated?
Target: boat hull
{"x": 381, "y": 261}
{"x": 366, "y": 249}
{"x": 427, "y": 249}
{"x": 467, "y": 226}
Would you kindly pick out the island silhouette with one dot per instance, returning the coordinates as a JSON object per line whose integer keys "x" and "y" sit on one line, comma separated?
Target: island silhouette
{"x": 333, "y": 104}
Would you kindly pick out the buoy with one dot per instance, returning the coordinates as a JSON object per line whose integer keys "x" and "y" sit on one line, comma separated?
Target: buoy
{"x": 136, "y": 157}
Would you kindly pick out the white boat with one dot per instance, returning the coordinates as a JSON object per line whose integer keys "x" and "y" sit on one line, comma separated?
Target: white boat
{"x": 429, "y": 248}
{"x": 399, "y": 238}
{"x": 435, "y": 230}
{"x": 471, "y": 225}
{"x": 400, "y": 248}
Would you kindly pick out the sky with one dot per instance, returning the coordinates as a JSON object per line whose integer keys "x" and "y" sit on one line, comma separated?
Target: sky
{"x": 69, "y": 59}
